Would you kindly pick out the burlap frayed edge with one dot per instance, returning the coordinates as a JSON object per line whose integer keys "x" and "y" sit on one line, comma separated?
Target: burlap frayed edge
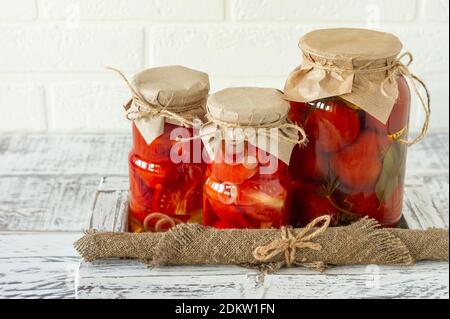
{"x": 88, "y": 246}
{"x": 95, "y": 245}
{"x": 389, "y": 248}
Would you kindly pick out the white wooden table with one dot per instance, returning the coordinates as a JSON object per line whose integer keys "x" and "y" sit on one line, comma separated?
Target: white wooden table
{"x": 51, "y": 184}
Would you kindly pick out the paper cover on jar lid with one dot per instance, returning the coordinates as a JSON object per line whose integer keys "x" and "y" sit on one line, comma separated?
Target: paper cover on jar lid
{"x": 169, "y": 94}
{"x": 259, "y": 110}
{"x": 248, "y": 106}
{"x": 356, "y": 64}
{"x": 173, "y": 86}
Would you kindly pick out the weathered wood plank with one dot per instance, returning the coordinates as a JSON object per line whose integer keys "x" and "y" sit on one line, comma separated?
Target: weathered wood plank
{"x": 114, "y": 183}
{"x": 46, "y": 203}
{"x": 64, "y": 154}
{"x": 110, "y": 211}
{"x": 426, "y": 202}
{"x": 21, "y": 245}
{"x": 38, "y": 277}
{"x": 128, "y": 279}
{"x": 430, "y": 155}
{"x": 38, "y": 265}
{"x": 107, "y": 154}
{"x": 48, "y": 182}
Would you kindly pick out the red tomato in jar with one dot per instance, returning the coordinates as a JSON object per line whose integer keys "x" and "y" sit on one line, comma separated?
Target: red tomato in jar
{"x": 138, "y": 212}
{"x": 221, "y": 204}
{"x": 364, "y": 204}
{"x": 308, "y": 204}
{"x": 391, "y": 209}
{"x": 332, "y": 125}
{"x": 399, "y": 117}
{"x": 181, "y": 192}
{"x": 359, "y": 165}
{"x": 141, "y": 196}
{"x": 374, "y": 144}
{"x": 152, "y": 174}
{"x": 222, "y": 224}
{"x": 265, "y": 201}
{"x": 298, "y": 112}
{"x": 234, "y": 168}
{"x": 309, "y": 163}
{"x": 230, "y": 214}
{"x": 232, "y": 173}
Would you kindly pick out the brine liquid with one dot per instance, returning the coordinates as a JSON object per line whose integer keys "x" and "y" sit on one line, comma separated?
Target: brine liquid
{"x": 241, "y": 195}
{"x": 354, "y": 165}
{"x": 162, "y": 193}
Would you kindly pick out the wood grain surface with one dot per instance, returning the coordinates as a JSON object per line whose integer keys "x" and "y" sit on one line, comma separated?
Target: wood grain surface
{"x": 50, "y": 183}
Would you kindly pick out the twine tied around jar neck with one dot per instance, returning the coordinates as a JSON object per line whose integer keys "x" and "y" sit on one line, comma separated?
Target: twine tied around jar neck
{"x": 288, "y": 244}
{"x": 146, "y": 109}
{"x": 392, "y": 69}
{"x": 281, "y": 124}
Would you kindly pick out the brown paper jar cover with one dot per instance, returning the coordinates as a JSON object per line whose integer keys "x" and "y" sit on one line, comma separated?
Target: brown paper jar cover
{"x": 172, "y": 85}
{"x": 257, "y": 108}
{"x": 177, "y": 88}
{"x": 338, "y": 62}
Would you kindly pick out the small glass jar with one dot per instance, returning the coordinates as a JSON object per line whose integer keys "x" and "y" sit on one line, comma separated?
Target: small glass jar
{"x": 246, "y": 186}
{"x": 354, "y": 164}
{"x": 165, "y": 180}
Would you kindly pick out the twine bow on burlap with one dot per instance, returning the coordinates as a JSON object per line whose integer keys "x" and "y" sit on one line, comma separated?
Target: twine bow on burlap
{"x": 288, "y": 244}
{"x": 362, "y": 243}
{"x": 143, "y": 108}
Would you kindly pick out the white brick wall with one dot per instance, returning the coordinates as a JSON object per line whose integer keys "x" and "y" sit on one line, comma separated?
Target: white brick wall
{"x": 53, "y": 52}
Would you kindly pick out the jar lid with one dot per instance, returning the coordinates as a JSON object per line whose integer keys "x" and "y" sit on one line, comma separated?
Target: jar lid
{"x": 261, "y": 109}
{"x": 360, "y": 44}
{"x": 172, "y": 86}
{"x": 248, "y": 106}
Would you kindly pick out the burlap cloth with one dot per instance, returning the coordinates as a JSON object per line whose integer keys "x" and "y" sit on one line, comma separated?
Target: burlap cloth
{"x": 188, "y": 244}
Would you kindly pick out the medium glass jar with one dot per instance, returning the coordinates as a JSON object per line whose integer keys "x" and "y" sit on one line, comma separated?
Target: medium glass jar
{"x": 354, "y": 165}
{"x": 238, "y": 195}
{"x": 166, "y": 174}
{"x": 354, "y": 104}
{"x": 247, "y": 185}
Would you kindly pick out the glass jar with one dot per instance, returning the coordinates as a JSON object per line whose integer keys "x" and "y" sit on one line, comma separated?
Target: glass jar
{"x": 247, "y": 184}
{"x": 239, "y": 195}
{"x": 354, "y": 165}
{"x": 351, "y": 97}
{"x": 165, "y": 173}
{"x": 163, "y": 193}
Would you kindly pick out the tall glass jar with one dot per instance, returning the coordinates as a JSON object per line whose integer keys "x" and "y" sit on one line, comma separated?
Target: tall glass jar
{"x": 247, "y": 183}
{"x": 165, "y": 174}
{"x": 354, "y": 164}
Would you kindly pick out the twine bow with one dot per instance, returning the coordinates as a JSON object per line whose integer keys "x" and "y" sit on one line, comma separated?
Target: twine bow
{"x": 146, "y": 109}
{"x": 288, "y": 244}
